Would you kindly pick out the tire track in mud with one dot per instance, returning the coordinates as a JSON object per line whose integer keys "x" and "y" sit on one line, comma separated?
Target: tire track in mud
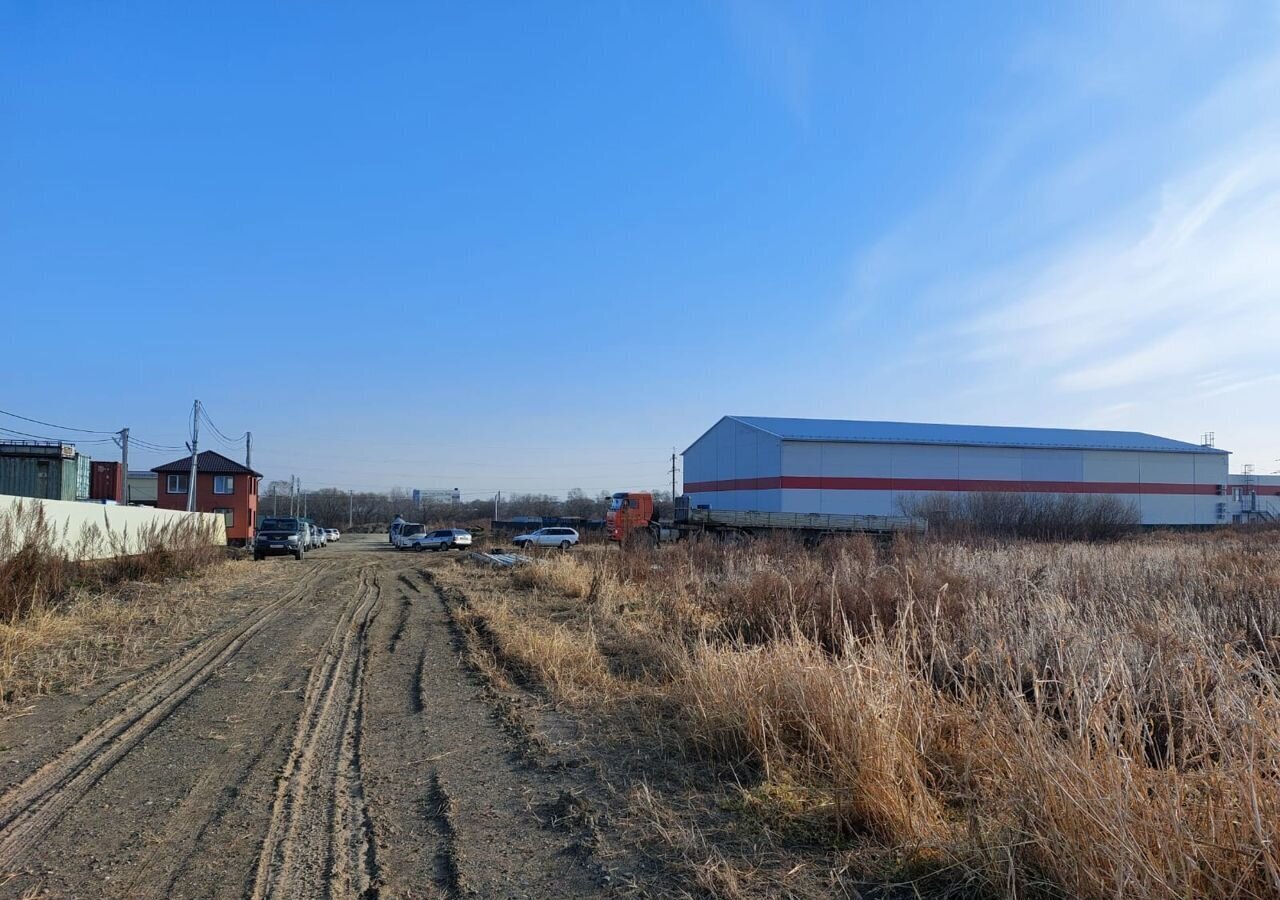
{"x": 442, "y": 813}
{"x": 32, "y": 807}
{"x": 319, "y": 841}
{"x": 482, "y": 796}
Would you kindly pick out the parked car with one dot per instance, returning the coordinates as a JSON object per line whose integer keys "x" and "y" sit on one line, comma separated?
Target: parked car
{"x": 441, "y": 539}
{"x": 564, "y": 538}
{"x": 333, "y": 534}
{"x": 318, "y": 536}
{"x": 276, "y": 537}
{"x": 408, "y": 531}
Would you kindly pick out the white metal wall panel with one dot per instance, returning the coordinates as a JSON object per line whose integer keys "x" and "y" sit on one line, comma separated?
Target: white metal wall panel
{"x": 908, "y": 461}
{"x": 1212, "y": 470}
{"x": 732, "y": 452}
{"x": 757, "y": 501}
{"x": 853, "y": 503}
{"x": 1113, "y": 465}
{"x": 841, "y": 460}
{"x": 989, "y": 463}
{"x": 1168, "y": 468}
{"x": 1053, "y": 465}
{"x": 1168, "y": 509}
{"x": 802, "y": 458}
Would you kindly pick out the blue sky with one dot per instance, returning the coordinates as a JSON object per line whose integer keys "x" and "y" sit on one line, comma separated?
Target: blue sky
{"x": 535, "y": 246}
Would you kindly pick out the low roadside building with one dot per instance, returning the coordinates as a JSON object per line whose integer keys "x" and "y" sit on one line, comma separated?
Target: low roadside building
{"x": 222, "y": 486}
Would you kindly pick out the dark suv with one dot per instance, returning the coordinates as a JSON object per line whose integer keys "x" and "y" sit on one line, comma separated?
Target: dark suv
{"x": 276, "y": 537}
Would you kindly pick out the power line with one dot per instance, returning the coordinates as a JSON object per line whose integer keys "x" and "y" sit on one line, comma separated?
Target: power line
{"x": 45, "y": 437}
{"x": 208, "y": 421}
{"x": 147, "y": 445}
{"x": 57, "y": 427}
{"x": 113, "y": 436}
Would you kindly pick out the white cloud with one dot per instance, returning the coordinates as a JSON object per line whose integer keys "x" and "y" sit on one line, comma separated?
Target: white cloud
{"x": 1130, "y": 279}
{"x": 1170, "y": 297}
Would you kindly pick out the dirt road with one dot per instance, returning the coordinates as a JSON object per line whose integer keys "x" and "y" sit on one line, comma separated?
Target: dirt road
{"x": 325, "y": 740}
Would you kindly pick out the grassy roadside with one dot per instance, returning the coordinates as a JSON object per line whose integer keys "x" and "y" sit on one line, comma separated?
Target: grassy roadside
{"x": 1001, "y": 719}
{"x": 65, "y": 623}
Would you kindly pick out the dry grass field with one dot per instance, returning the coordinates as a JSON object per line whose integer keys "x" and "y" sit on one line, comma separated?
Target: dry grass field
{"x": 1000, "y": 719}
{"x": 64, "y": 623}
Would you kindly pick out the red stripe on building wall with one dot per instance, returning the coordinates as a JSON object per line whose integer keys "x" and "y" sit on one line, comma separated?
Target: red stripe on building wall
{"x": 946, "y": 485}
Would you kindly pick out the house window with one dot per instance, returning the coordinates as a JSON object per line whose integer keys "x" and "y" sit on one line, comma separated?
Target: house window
{"x": 176, "y": 484}
{"x": 228, "y": 514}
{"x": 224, "y": 484}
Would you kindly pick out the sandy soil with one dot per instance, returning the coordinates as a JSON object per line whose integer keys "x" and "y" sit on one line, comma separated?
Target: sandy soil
{"x": 324, "y": 739}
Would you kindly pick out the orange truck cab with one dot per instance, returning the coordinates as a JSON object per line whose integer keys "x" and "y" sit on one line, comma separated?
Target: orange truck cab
{"x": 628, "y": 511}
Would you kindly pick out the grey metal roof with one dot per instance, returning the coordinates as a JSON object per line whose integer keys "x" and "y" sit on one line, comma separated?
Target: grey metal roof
{"x": 965, "y": 435}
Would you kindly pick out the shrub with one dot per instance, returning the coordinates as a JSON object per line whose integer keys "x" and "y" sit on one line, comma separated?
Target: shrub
{"x": 1045, "y": 517}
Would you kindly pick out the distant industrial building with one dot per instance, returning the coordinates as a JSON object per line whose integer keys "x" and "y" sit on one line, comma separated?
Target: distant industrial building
{"x": 874, "y": 468}
{"x": 223, "y": 486}
{"x": 47, "y": 470}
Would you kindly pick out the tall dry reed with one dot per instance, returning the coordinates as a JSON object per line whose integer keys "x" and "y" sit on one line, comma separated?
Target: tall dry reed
{"x": 1094, "y": 720}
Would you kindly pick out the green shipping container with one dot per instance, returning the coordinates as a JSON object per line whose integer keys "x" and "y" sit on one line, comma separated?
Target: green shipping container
{"x": 44, "y": 470}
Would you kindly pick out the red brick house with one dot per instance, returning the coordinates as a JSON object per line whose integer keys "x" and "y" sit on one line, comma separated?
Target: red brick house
{"x": 222, "y": 486}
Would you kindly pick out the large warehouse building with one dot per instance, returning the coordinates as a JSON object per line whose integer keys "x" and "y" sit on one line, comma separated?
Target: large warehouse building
{"x": 871, "y": 468}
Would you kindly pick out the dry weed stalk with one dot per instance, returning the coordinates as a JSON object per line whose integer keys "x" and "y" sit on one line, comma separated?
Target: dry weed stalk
{"x": 1101, "y": 719}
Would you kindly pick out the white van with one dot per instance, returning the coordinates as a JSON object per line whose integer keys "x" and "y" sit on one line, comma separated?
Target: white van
{"x": 406, "y": 533}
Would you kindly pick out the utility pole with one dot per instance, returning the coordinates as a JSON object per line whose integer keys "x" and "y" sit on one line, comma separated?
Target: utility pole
{"x": 497, "y": 498}
{"x": 248, "y": 449}
{"x": 195, "y": 448}
{"x": 351, "y": 508}
{"x": 673, "y": 477}
{"x": 275, "y": 500}
{"x": 293, "y": 510}
{"x": 124, "y": 464}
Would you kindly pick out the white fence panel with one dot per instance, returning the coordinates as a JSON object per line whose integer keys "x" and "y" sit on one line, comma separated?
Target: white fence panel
{"x": 99, "y": 531}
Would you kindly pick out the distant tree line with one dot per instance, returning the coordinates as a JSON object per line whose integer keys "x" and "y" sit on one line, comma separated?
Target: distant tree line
{"x": 331, "y": 508}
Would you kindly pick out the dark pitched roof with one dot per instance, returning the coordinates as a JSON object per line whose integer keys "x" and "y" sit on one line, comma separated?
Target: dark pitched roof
{"x": 208, "y": 462}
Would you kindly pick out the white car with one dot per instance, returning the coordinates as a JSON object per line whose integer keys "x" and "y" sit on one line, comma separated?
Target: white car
{"x": 442, "y": 539}
{"x": 564, "y": 538}
{"x": 332, "y": 534}
{"x": 406, "y": 533}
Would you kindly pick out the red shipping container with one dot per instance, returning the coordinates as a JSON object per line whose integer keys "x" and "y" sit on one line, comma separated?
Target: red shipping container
{"x": 105, "y": 482}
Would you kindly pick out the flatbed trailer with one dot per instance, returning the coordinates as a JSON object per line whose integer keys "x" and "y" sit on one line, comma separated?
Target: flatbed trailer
{"x": 694, "y": 519}
{"x": 632, "y": 515}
